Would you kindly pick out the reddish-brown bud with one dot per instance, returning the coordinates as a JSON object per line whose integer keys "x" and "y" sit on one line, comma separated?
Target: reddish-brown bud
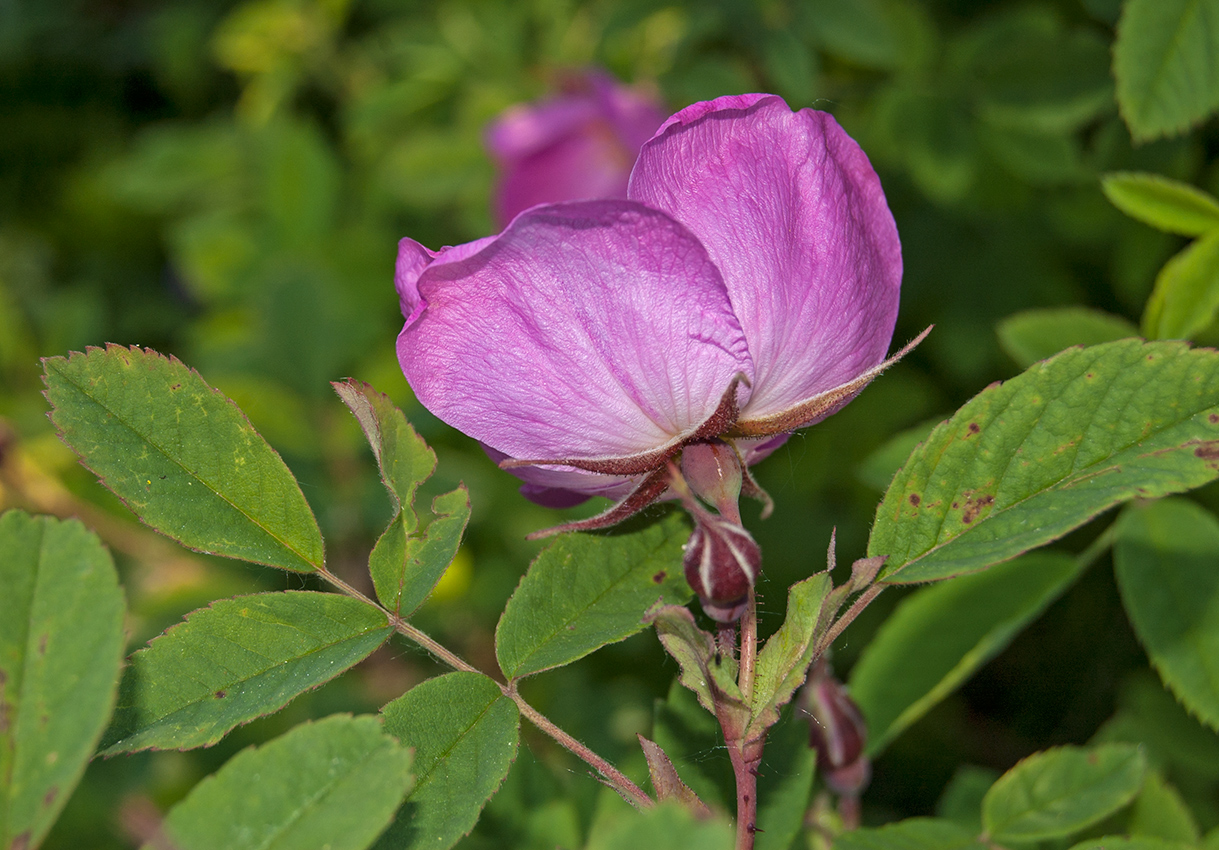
{"x": 837, "y": 732}
{"x": 722, "y": 562}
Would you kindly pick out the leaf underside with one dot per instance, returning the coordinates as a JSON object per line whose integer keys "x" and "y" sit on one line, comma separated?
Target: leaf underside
{"x": 1165, "y": 558}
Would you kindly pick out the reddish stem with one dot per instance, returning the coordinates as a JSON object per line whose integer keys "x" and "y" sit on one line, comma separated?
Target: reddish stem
{"x": 745, "y": 754}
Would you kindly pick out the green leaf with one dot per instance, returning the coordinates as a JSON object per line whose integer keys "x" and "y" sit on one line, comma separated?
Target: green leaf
{"x": 941, "y": 635}
{"x": 708, "y": 673}
{"x": 465, "y": 734}
{"x": 585, "y": 591}
{"x": 236, "y": 660}
{"x": 666, "y": 825}
{"x": 936, "y": 136}
{"x": 911, "y": 834}
{"x": 1125, "y": 842}
{"x": 406, "y": 565}
{"x": 61, "y": 648}
{"x": 332, "y": 784}
{"x": 1165, "y": 204}
{"x": 1150, "y": 716}
{"x": 1166, "y": 61}
{"x": 1032, "y": 335}
{"x": 961, "y": 800}
{"x": 1040, "y": 158}
{"x": 299, "y": 182}
{"x": 404, "y": 459}
{"x": 1055, "y": 793}
{"x": 182, "y": 456}
{"x": 1159, "y": 812}
{"x": 1186, "y": 295}
{"x": 1165, "y": 558}
{"x": 790, "y": 64}
{"x": 1026, "y": 461}
{"x": 1035, "y": 75}
{"x": 783, "y": 661}
{"x": 859, "y": 31}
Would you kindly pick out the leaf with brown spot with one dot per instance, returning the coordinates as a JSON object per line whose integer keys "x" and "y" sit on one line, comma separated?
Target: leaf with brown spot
{"x": 1142, "y": 426}
{"x": 236, "y": 660}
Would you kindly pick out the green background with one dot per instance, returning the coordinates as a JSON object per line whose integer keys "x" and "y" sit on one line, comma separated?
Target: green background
{"x": 226, "y": 182}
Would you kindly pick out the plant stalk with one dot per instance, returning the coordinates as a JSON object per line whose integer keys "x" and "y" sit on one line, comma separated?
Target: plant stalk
{"x": 613, "y": 777}
{"x": 745, "y": 754}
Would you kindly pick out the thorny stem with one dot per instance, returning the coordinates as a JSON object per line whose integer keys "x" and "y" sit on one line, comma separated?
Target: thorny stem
{"x": 749, "y": 647}
{"x": 613, "y": 777}
{"x": 745, "y": 754}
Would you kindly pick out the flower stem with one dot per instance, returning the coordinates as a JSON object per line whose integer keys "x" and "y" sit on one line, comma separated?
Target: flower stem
{"x": 613, "y": 777}
{"x": 749, "y": 647}
{"x": 745, "y": 754}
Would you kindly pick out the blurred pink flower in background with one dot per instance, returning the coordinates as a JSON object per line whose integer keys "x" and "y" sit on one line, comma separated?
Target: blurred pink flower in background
{"x": 579, "y": 145}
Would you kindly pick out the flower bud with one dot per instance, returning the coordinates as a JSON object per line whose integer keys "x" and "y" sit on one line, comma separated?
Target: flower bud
{"x": 713, "y": 471}
{"x": 721, "y": 563}
{"x": 837, "y": 732}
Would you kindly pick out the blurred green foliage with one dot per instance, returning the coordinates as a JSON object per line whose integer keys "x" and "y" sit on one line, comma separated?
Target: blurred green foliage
{"x": 226, "y": 181}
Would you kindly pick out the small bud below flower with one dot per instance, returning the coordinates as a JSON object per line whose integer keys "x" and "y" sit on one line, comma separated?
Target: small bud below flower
{"x": 721, "y": 562}
{"x": 713, "y": 471}
{"x": 837, "y": 732}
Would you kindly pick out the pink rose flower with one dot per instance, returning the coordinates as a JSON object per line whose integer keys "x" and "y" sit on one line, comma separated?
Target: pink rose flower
{"x": 577, "y": 146}
{"x": 747, "y": 286}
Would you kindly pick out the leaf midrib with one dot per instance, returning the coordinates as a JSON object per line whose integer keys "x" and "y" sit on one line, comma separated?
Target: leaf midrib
{"x": 1046, "y": 806}
{"x": 550, "y": 636}
{"x": 191, "y": 473}
{"x": 163, "y": 719}
{"x": 423, "y": 778}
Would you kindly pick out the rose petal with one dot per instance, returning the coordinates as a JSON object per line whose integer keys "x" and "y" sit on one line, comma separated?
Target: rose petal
{"x": 525, "y": 129}
{"x": 793, "y": 215}
{"x": 414, "y": 258}
{"x": 562, "y": 487}
{"x": 586, "y": 330}
{"x": 590, "y": 163}
{"x": 635, "y": 114}
{"x": 577, "y": 146}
